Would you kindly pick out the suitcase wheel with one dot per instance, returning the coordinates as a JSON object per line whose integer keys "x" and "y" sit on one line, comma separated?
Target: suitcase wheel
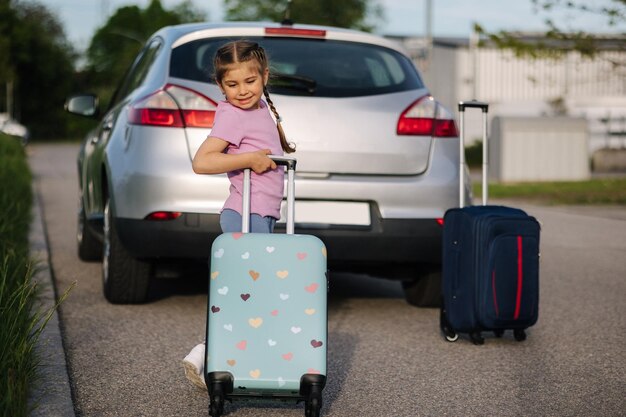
{"x": 498, "y": 333}
{"x": 452, "y": 338}
{"x": 476, "y": 338}
{"x": 219, "y": 384}
{"x": 449, "y": 334}
{"x": 311, "y": 386}
{"x": 216, "y": 407}
{"x": 313, "y": 407}
{"x": 519, "y": 334}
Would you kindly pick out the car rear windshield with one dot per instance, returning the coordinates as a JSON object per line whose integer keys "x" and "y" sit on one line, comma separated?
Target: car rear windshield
{"x": 312, "y": 67}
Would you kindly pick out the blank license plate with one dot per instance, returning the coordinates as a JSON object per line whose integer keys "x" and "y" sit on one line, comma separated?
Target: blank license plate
{"x": 329, "y": 213}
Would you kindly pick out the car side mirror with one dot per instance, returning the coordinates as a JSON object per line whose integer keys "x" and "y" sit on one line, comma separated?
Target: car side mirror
{"x": 82, "y": 105}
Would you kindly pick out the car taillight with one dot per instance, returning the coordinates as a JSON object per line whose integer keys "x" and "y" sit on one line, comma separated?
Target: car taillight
{"x": 173, "y": 106}
{"x": 164, "y": 215}
{"x": 427, "y": 117}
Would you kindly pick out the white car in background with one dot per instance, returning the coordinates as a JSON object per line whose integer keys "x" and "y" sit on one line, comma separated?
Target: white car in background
{"x": 377, "y": 156}
{"x": 12, "y": 127}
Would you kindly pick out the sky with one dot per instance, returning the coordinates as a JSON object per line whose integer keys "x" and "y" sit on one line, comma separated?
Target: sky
{"x": 81, "y": 18}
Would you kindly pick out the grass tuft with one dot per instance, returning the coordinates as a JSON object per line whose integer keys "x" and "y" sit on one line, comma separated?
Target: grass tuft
{"x": 23, "y": 319}
{"x": 17, "y": 293}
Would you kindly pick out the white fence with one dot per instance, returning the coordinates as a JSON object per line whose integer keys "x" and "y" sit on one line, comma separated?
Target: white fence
{"x": 538, "y": 149}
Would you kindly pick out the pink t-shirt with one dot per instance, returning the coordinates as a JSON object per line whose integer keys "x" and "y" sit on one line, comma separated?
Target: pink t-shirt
{"x": 248, "y": 131}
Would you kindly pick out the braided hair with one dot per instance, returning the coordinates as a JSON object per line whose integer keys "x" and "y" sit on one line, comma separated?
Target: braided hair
{"x": 242, "y": 51}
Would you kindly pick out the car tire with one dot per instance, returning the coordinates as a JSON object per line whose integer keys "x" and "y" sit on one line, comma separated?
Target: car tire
{"x": 125, "y": 279}
{"x": 424, "y": 291}
{"x": 89, "y": 246}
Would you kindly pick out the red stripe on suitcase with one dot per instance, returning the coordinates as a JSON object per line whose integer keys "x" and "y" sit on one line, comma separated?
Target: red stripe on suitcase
{"x": 493, "y": 288}
{"x": 518, "y": 298}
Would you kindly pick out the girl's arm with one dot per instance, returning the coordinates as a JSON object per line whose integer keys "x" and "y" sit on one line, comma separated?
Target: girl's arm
{"x": 211, "y": 159}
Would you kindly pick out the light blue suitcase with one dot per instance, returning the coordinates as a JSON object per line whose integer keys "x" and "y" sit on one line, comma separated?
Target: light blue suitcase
{"x": 267, "y": 314}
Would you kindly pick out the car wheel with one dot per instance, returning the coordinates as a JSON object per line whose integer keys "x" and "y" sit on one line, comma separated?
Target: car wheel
{"x": 89, "y": 246}
{"x": 424, "y": 291}
{"x": 125, "y": 278}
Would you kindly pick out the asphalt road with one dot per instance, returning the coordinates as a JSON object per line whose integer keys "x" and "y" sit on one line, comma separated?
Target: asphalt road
{"x": 385, "y": 358}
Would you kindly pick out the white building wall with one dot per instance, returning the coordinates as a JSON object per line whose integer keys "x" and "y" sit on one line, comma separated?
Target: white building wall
{"x": 538, "y": 149}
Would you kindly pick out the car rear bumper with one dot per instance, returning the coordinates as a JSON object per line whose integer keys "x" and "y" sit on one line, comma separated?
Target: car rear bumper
{"x": 386, "y": 241}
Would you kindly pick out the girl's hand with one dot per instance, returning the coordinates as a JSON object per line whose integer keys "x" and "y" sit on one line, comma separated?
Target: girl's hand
{"x": 260, "y": 162}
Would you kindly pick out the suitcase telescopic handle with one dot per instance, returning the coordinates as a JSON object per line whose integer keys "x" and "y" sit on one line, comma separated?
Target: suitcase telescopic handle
{"x": 473, "y": 104}
{"x": 290, "y": 164}
{"x": 462, "y": 164}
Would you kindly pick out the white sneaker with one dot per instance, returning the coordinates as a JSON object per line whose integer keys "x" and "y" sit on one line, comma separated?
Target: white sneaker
{"x": 194, "y": 366}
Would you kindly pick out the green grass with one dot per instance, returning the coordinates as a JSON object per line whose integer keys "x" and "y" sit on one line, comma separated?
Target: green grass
{"x": 22, "y": 320}
{"x": 597, "y": 191}
{"x": 17, "y": 294}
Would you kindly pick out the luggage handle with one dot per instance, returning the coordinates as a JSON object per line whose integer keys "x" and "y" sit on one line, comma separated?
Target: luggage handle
{"x": 288, "y": 162}
{"x": 462, "y": 164}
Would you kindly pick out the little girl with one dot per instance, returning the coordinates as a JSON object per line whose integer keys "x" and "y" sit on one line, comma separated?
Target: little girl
{"x": 242, "y": 136}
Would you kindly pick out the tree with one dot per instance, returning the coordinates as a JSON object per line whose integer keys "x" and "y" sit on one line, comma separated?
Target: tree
{"x": 556, "y": 39}
{"x": 7, "y": 16}
{"x": 115, "y": 45}
{"x": 39, "y": 61}
{"x": 355, "y": 14}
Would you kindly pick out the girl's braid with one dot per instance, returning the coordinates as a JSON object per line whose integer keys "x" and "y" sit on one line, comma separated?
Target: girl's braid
{"x": 259, "y": 54}
{"x": 287, "y": 147}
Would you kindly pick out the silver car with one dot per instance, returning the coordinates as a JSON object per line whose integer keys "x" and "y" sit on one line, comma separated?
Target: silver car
{"x": 377, "y": 156}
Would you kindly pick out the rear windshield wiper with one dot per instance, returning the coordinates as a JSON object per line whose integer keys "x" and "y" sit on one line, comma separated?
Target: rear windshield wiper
{"x": 295, "y": 82}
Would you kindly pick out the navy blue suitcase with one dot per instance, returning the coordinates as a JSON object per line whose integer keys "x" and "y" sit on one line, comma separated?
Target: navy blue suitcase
{"x": 490, "y": 266}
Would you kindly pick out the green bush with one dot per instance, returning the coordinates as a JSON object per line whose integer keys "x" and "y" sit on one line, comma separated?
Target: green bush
{"x": 23, "y": 319}
{"x": 17, "y": 293}
{"x": 17, "y": 358}
{"x": 474, "y": 155}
